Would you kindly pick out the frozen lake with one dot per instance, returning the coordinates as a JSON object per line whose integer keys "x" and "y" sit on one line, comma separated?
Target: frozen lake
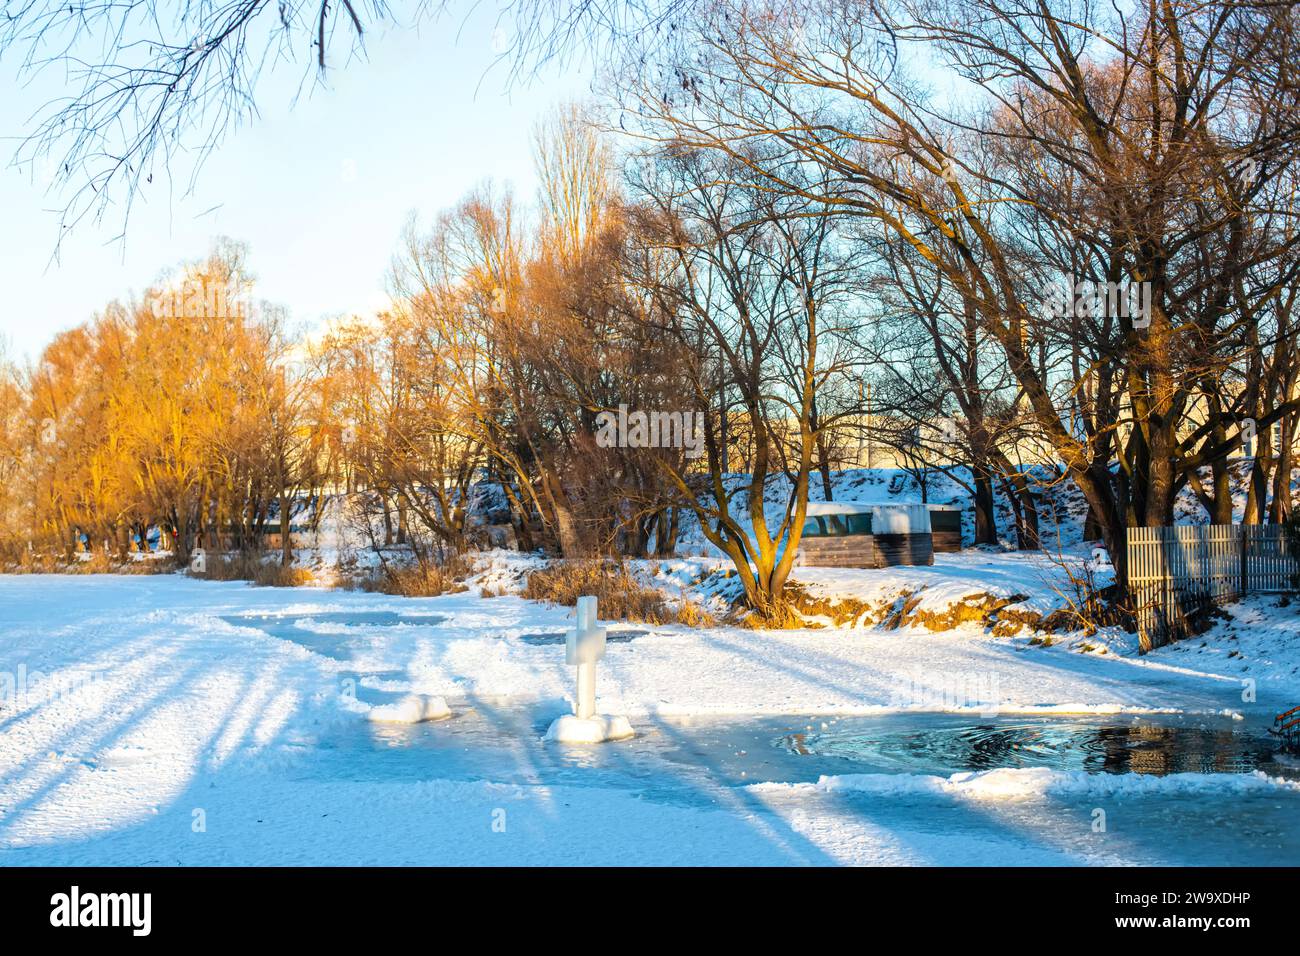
{"x": 245, "y": 709}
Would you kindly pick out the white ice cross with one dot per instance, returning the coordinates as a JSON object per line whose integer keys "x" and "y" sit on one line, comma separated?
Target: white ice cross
{"x": 584, "y": 645}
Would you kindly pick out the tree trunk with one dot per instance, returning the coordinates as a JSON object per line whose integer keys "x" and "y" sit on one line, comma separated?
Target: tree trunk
{"x": 518, "y": 518}
{"x": 1028, "y": 534}
{"x": 986, "y": 523}
{"x": 1257, "y": 490}
{"x": 1222, "y": 513}
{"x": 1091, "y": 526}
{"x": 824, "y": 466}
{"x": 1279, "y": 509}
{"x": 666, "y": 533}
{"x": 286, "y": 539}
{"x": 565, "y": 526}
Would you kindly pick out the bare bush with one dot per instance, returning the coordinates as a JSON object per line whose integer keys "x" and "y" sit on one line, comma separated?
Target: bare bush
{"x": 421, "y": 580}
{"x": 618, "y": 593}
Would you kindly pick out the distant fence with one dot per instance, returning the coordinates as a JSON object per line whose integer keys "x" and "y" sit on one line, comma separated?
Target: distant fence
{"x": 1177, "y": 574}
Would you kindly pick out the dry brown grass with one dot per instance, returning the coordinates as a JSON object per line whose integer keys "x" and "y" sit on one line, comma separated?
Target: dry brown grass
{"x": 163, "y": 565}
{"x": 781, "y": 617}
{"x": 428, "y": 580}
{"x": 983, "y": 609}
{"x": 843, "y": 612}
{"x": 240, "y": 566}
{"x": 97, "y": 563}
{"x": 276, "y": 575}
{"x": 618, "y": 594}
{"x": 692, "y": 615}
{"x": 999, "y": 615}
{"x": 29, "y": 563}
{"x": 253, "y": 567}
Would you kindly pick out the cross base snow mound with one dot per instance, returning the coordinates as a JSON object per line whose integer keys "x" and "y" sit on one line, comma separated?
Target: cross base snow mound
{"x": 592, "y": 730}
{"x": 414, "y": 709}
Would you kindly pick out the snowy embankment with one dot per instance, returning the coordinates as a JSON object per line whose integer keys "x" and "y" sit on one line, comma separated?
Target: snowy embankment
{"x": 1026, "y": 783}
{"x": 169, "y": 720}
{"x": 1002, "y": 593}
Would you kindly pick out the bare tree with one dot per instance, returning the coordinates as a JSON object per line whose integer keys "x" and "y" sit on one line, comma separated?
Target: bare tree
{"x": 753, "y": 287}
{"x": 1141, "y": 115}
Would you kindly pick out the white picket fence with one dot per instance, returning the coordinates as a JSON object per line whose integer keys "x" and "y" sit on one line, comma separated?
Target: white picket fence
{"x": 1178, "y": 573}
{"x": 1270, "y": 559}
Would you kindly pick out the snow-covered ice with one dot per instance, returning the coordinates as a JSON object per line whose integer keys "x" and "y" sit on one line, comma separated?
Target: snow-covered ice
{"x": 164, "y": 720}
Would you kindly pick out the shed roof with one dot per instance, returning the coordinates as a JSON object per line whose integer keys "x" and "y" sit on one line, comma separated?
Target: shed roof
{"x": 890, "y": 517}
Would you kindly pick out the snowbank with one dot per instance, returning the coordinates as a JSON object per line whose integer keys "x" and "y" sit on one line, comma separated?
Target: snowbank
{"x": 414, "y": 709}
{"x": 1033, "y": 782}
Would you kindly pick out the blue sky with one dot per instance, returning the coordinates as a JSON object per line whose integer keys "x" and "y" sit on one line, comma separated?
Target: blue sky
{"x": 319, "y": 188}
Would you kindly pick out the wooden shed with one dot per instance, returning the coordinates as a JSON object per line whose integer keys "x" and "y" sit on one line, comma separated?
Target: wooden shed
{"x": 858, "y": 534}
{"x": 945, "y": 527}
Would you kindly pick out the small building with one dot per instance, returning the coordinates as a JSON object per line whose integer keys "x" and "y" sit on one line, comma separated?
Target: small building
{"x": 858, "y": 534}
{"x": 945, "y": 527}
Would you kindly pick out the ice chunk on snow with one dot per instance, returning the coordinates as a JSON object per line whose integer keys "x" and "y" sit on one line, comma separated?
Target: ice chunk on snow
{"x": 412, "y": 709}
{"x": 592, "y": 730}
